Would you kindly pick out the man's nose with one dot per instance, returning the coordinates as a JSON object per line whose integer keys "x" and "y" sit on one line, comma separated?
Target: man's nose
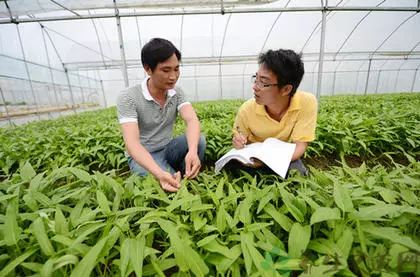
{"x": 255, "y": 87}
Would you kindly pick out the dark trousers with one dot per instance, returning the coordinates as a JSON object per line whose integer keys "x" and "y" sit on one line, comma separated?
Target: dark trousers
{"x": 235, "y": 165}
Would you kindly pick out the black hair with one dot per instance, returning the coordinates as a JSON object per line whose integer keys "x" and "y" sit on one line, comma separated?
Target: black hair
{"x": 286, "y": 64}
{"x": 158, "y": 50}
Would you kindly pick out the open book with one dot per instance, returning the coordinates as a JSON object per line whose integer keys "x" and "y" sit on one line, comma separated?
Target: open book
{"x": 274, "y": 153}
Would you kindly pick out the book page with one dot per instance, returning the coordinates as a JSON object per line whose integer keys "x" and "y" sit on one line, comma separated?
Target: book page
{"x": 243, "y": 155}
{"x": 274, "y": 153}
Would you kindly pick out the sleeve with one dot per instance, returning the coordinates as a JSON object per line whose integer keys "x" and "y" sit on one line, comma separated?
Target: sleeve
{"x": 240, "y": 124}
{"x": 304, "y": 129}
{"x": 181, "y": 100}
{"x": 126, "y": 109}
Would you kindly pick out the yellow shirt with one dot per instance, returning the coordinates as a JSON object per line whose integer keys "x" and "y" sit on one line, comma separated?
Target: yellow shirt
{"x": 297, "y": 124}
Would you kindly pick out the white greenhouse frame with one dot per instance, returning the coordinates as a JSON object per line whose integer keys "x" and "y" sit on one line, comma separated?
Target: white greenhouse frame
{"x": 124, "y": 9}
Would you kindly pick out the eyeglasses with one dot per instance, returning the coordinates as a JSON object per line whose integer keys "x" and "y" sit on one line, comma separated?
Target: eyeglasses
{"x": 260, "y": 85}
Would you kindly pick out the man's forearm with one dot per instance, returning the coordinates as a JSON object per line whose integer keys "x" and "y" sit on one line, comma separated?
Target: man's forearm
{"x": 299, "y": 150}
{"x": 193, "y": 135}
{"x": 144, "y": 158}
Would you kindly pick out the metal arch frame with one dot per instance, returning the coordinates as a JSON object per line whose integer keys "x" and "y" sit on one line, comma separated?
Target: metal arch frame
{"x": 381, "y": 44}
{"x": 98, "y": 39}
{"x": 414, "y": 77}
{"x": 64, "y": 68}
{"x": 225, "y": 10}
{"x": 379, "y": 75}
{"x": 49, "y": 63}
{"x": 220, "y": 54}
{"x": 321, "y": 50}
{"x": 121, "y": 41}
{"x": 324, "y": 8}
{"x": 316, "y": 28}
{"x": 355, "y": 27}
{"x": 272, "y": 26}
{"x": 27, "y": 73}
{"x": 411, "y": 50}
{"x": 393, "y": 32}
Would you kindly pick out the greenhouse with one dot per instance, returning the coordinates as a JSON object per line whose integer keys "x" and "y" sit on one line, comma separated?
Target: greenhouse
{"x": 71, "y": 205}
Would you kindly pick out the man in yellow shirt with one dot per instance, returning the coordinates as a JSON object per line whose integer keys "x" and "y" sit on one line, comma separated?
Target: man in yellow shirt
{"x": 278, "y": 109}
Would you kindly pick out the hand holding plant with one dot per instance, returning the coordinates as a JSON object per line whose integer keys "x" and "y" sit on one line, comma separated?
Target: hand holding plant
{"x": 192, "y": 165}
{"x": 170, "y": 182}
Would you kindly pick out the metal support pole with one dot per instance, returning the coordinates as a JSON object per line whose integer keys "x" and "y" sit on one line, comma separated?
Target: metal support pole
{"x": 81, "y": 87}
{"x": 357, "y": 81}
{"x": 368, "y": 73}
{"x": 102, "y": 88}
{"x": 220, "y": 54}
{"x": 103, "y": 93}
{"x": 414, "y": 79}
{"x": 195, "y": 83}
{"x": 49, "y": 64}
{"x": 396, "y": 80}
{"x": 243, "y": 81}
{"x": 333, "y": 85}
{"x": 377, "y": 81}
{"x": 5, "y": 106}
{"x": 27, "y": 74}
{"x": 121, "y": 41}
{"x": 321, "y": 54}
{"x": 70, "y": 89}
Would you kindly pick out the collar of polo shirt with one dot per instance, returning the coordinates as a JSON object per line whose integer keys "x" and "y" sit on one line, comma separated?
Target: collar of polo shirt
{"x": 146, "y": 92}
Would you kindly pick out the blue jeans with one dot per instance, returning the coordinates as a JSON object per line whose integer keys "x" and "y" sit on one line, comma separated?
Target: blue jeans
{"x": 172, "y": 157}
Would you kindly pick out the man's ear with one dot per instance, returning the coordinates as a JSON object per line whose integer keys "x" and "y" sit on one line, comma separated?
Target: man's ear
{"x": 286, "y": 90}
{"x": 147, "y": 69}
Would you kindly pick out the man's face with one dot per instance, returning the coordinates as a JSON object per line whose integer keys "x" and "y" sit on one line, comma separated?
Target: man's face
{"x": 269, "y": 94}
{"x": 166, "y": 73}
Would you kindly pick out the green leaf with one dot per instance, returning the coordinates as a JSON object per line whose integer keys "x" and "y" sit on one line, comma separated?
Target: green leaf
{"x": 281, "y": 219}
{"x": 216, "y": 247}
{"x": 11, "y": 229}
{"x": 388, "y": 195}
{"x": 288, "y": 201}
{"x": 186, "y": 257}
{"x": 86, "y": 265}
{"x": 61, "y": 225}
{"x": 42, "y": 237}
{"x": 80, "y": 174}
{"x": 206, "y": 240}
{"x": 125, "y": 256}
{"x": 27, "y": 172}
{"x": 221, "y": 219}
{"x": 342, "y": 198}
{"x": 324, "y": 214}
{"x": 17, "y": 261}
{"x": 345, "y": 242}
{"x": 103, "y": 202}
{"x": 137, "y": 254}
{"x": 298, "y": 239}
{"x": 65, "y": 260}
{"x": 391, "y": 234}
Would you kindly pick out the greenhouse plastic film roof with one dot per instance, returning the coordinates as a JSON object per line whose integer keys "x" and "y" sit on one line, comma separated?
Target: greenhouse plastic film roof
{"x": 92, "y": 48}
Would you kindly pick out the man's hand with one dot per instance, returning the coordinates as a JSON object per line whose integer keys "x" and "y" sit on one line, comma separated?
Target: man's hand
{"x": 192, "y": 165}
{"x": 239, "y": 141}
{"x": 256, "y": 163}
{"x": 170, "y": 182}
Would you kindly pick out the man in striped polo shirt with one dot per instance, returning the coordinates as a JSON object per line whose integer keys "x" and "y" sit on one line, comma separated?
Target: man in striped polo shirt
{"x": 147, "y": 114}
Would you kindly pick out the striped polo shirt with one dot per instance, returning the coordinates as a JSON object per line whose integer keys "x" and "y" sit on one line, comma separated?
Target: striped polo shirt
{"x": 135, "y": 104}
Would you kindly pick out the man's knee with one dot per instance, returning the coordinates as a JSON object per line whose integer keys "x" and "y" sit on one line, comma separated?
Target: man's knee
{"x": 202, "y": 147}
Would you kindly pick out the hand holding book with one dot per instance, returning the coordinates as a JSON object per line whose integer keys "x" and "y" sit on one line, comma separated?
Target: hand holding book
{"x": 274, "y": 153}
